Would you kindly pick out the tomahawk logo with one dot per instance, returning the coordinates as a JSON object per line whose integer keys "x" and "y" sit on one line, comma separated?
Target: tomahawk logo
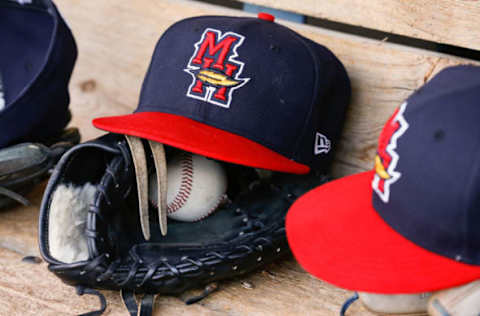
{"x": 387, "y": 158}
{"x": 214, "y": 68}
{"x": 322, "y": 144}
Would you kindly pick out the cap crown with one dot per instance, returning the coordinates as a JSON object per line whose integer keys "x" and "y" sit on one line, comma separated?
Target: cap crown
{"x": 427, "y": 182}
{"x": 253, "y": 78}
{"x": 35, "y": 70}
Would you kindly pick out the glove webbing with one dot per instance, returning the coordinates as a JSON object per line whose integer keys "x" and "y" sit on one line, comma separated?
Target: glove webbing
{"x": 141, "y": 174}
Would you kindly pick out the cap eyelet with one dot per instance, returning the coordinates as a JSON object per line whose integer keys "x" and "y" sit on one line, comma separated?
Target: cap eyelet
{"x": 266, "y": 16}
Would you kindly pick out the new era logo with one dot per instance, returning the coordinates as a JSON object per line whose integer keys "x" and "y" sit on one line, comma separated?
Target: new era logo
{"x": 322, "y": 144}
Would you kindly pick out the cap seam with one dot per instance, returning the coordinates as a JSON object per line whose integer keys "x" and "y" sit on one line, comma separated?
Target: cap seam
{"x": 153, "y": 58}
{"x": 442, "y": 95}
{"x": 469, "y": 192}
{"x": 314, "y": 95}
{"x": 47, "y": 59}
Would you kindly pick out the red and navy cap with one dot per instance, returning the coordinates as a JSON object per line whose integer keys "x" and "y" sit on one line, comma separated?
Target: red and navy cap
{"x": 35, "y": 69}
{"x": 412, "y": 224}
{"x": 243, "y": 90}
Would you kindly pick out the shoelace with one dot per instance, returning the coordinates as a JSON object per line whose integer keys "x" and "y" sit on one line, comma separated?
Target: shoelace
{"x": 103, "y": 302}
{"x": 14, "y": 196}
{"x": 348, "y": 303}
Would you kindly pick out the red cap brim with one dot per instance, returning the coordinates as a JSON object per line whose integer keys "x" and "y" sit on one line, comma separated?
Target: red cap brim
{"x": 336, "y": 235}
{"x": 199, "y": 138}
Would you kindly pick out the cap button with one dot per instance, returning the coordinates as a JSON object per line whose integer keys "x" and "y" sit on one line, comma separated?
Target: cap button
{"x": 266, "y": 17}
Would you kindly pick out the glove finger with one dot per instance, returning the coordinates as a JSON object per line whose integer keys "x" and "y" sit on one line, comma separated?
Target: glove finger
{"x": 159, "y": 159}
{"x": 140, "y": 163}
{"x": 22, "y": 157}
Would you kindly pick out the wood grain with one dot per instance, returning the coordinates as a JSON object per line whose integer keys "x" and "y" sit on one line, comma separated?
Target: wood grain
{"x": 30, "y": 289}
{"x": 453, "y": 22}
{"x": 116, "y": 39}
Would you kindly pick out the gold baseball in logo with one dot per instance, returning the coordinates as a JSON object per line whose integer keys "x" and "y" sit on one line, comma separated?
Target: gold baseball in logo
{"x": 380, "y": 169}
{"x": 216, "y": 78}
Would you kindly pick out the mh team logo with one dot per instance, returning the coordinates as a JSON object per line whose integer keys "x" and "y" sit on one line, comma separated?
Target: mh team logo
{"x": 387, "y": 158}
{"x": 215, "y": 69}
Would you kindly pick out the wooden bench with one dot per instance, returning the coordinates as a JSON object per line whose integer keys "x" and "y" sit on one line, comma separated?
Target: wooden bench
{"x": 116, "y": 39}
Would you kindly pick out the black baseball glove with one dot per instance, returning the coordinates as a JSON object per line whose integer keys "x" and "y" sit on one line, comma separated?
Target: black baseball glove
{"x": 25, "y": 164}
{"x": 91, "y": 219}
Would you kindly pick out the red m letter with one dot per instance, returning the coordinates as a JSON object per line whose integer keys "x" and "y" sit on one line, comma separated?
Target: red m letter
{"x": 210, "y": 43}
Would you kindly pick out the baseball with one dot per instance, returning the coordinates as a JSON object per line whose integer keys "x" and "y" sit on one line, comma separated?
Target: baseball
{"x": 196, "y": 186}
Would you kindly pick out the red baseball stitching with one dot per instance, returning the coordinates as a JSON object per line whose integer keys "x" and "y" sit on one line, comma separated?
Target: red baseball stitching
{"x": 214, "y": 207}
{"x": 185, "y": 186}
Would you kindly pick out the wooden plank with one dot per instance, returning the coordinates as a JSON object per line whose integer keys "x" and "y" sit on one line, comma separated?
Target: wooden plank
{"x": 26, "y": 288}
{"x": 116, "y": 39}
{"x": 453, "y": 22}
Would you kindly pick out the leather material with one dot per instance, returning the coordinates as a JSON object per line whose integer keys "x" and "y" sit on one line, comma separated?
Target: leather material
{"x": 244, "y": 234}
{"x": 23, "y": 165}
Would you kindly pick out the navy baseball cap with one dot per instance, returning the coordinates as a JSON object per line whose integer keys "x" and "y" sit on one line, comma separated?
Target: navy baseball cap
{"x": 412, "y": 224}
{"x": 35, "y": 69}
{"x": 242, "y": 90}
